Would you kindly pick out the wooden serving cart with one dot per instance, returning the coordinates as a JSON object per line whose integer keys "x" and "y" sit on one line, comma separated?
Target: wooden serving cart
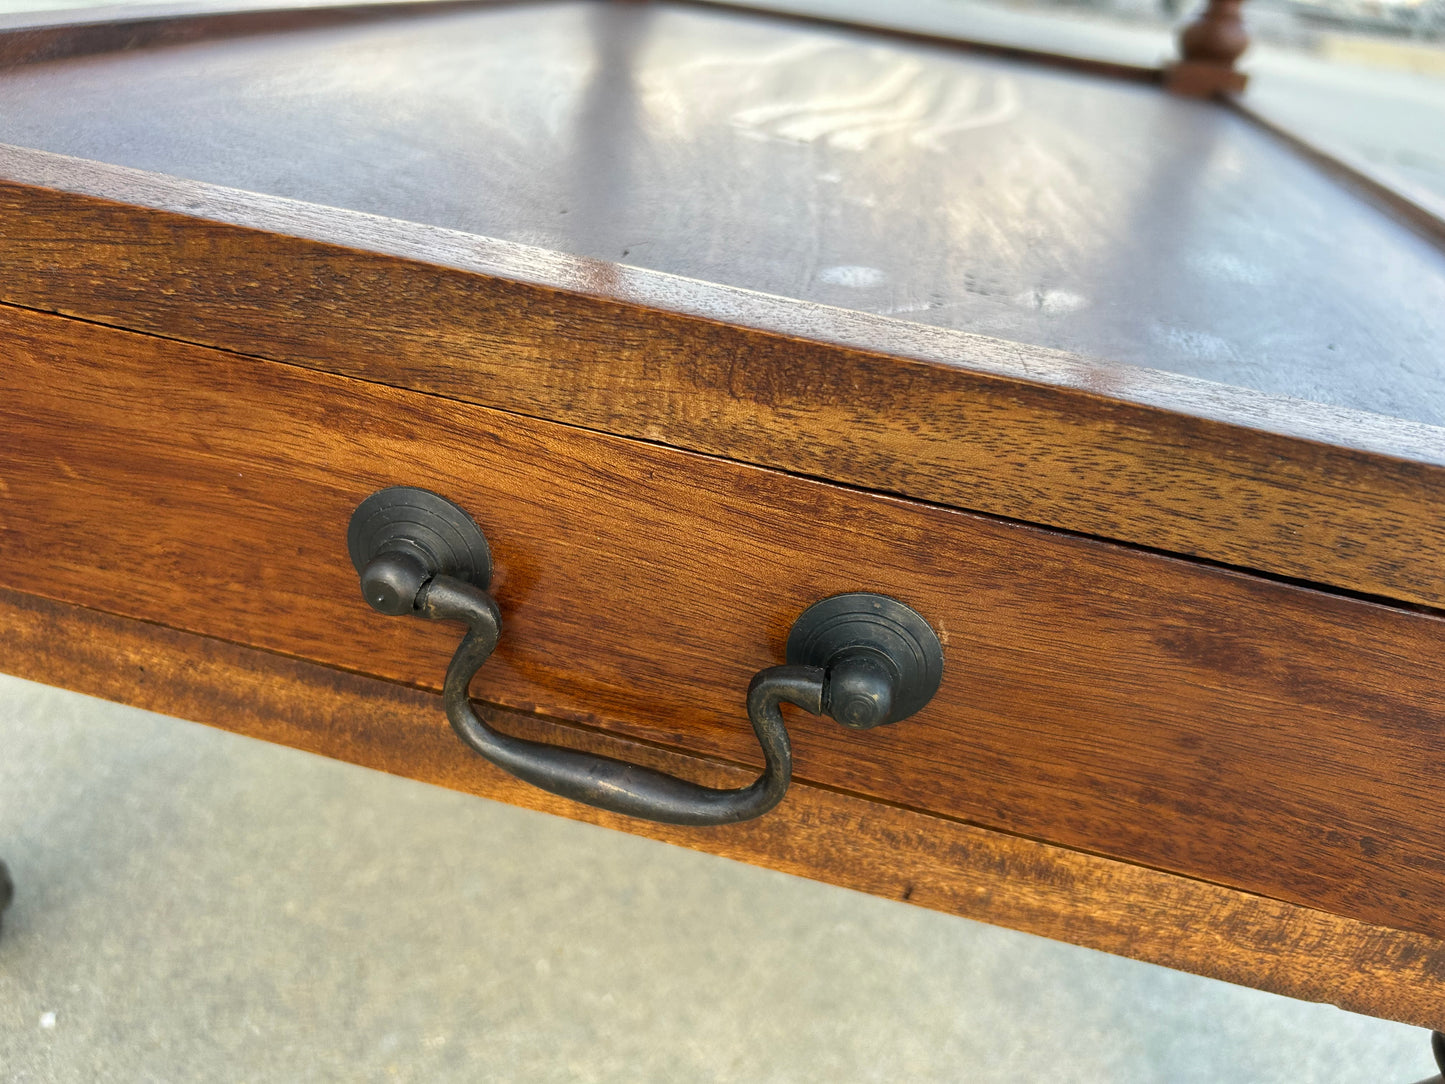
{"x": 702, "y": 317}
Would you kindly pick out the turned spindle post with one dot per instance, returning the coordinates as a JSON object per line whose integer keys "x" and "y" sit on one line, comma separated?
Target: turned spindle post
{"x": 1208, "y": 48}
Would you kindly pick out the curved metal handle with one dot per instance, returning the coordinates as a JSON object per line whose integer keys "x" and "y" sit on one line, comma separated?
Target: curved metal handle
{"x": 406, "y": 544}
{"x": 397, "y": 582}
{"x": 602, "y": 781}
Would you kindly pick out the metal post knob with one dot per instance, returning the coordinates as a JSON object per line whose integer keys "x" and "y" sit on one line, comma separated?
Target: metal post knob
{"x": 883, "y": 659}
{"x": 391, "y": 582}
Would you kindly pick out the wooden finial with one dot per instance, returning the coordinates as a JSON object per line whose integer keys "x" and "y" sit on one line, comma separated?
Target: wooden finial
{"x": 1208, "y": 48}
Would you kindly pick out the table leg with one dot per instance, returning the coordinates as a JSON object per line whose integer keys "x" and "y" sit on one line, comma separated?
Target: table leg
{"x": 1437, "y": 1047}
{"x": 7, "y": 890}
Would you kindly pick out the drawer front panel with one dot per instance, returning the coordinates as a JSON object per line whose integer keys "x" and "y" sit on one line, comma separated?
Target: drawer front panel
{"x": 1252, "y": 733}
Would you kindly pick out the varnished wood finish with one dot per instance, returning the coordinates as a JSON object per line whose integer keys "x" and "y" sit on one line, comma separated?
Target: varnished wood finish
{"x": 1201, "y": 79}
{"x": 1270, "y": 753}
{"x": 1043, "y": 207}
{"x": 818, "y": 833}
{"x": 1208, "y": 48}
{"x": 1338, "y": 497}
{"x": 1216, "y": 36}
{"x": 1264, "y": 736}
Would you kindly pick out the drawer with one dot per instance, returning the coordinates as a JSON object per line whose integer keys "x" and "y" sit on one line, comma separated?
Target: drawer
{"x": 1236, "y": 729}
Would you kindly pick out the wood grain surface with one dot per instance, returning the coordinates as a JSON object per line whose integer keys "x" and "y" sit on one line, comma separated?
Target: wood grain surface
{"x": 818, "y": 833}
{"x": 1259, "y": 735}
{"x": 1043, "y": 207}
{"x": 1327, "y": 495}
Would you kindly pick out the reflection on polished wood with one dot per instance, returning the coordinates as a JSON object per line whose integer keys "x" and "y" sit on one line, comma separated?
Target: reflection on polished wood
{"x": 1043, "y": 207}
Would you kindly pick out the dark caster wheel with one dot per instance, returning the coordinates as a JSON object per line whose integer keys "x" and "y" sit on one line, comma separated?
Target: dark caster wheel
{"x": 1437, "y": 1047}
{"x": 7, "y": 891}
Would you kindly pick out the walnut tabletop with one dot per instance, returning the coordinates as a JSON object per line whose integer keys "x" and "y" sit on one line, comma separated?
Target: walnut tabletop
{"x": 1053, "y": 208}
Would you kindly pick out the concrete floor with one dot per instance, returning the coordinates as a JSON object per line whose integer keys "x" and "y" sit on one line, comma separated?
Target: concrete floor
{"x": 196, "y": 906}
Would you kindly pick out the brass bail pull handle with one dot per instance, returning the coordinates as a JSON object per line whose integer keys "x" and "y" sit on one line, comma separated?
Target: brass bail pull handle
{"x": 865, "y": 660}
